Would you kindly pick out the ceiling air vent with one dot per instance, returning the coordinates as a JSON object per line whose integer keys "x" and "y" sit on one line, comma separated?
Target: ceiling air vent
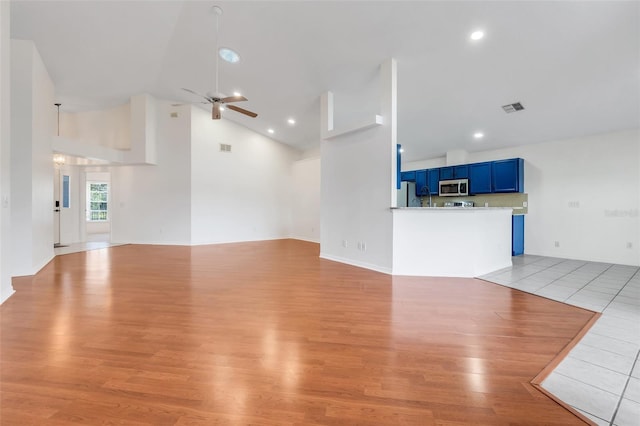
{"x": 225, "y": 148}
{"x": 512, "y": 107}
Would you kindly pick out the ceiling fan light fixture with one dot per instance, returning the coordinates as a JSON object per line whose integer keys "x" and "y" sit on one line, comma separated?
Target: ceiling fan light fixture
{"x": 229, "y": 55}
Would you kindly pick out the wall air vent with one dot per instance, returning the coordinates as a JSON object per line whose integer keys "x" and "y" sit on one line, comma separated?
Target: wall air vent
{"x": 512, "y": 107}
{"x": 225, "y": 147}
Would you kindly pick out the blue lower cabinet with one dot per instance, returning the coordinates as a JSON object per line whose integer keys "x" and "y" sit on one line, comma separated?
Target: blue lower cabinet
{"x": 517, "y": 235}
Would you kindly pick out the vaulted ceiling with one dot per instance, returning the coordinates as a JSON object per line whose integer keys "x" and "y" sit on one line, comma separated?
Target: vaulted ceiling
{"x": 575, "y": 66}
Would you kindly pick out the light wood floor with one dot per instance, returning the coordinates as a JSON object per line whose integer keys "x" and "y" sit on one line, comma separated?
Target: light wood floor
{"x": 269, "y": 334}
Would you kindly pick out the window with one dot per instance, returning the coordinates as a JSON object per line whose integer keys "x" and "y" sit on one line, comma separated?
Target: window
{"x": 97, "y": 201}
{"x": 66, "y": 192}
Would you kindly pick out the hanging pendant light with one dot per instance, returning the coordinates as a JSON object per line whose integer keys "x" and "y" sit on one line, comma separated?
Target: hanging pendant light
{"x": 58, "y": 105}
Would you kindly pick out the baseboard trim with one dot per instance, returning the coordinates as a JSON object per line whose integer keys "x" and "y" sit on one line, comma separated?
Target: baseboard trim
{"x": 356, "y": 263}
{"x": 305, "y": 239}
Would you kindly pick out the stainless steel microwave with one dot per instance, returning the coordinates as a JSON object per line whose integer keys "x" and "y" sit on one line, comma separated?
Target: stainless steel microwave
{"x": 453, "y": 187}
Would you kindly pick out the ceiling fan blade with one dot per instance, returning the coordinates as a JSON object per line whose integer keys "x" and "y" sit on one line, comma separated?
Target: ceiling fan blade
{"x": 242, "y": 111}
{"x": 195, "y": 93}
{"x": 215, "y": 111}
{"x": 233, "y": 99}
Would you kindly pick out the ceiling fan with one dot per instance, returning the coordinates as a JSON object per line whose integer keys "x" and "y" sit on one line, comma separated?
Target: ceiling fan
{"x": 217, "y": 100}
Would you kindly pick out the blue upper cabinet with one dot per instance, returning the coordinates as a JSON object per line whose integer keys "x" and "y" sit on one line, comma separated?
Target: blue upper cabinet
{"x": 446, "y": 173}
{"x": 480, "y": 178}
{"x": 421, "y": 183}
{"x": 426, "y": 181}
{"x": 433, "y": 176}
{"x": 508, "y": 175}
{"x": 461, "y": 172}
{"x": 408, "y": 176}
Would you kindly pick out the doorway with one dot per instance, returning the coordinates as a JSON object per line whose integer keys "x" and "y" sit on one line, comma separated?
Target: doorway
{"x": 98, "y": 206}
{"x": 61, "y": 202}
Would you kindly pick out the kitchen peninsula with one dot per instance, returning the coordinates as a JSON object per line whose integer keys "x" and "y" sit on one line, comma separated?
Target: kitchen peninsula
{"x": 451, "y": 242}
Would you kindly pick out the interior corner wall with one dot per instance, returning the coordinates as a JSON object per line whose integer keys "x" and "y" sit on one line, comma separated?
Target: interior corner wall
{"x": 6, "y": 289}
{"x": 151, "y": 204}
{"x": 32, "y": 119}
{"x": 242, "y": 195}
{"x": 357, "y": 187}
{"x": 305, "y": 200}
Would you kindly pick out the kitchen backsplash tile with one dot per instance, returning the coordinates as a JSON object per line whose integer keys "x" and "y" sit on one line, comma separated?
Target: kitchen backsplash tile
{"x": 518, "y": 200}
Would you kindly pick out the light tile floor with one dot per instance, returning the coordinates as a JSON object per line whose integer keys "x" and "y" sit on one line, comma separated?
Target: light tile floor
{"x": 94, "y": 242}
{"x": 601, "y": 375}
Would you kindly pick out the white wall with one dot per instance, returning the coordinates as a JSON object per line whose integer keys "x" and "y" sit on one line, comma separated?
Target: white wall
{"x": 305, "y": 201}
{"x": 5, "y": 151}
{"x": 109, "y": 127}
{"x": 242, "y": 195}
{"x": 151, "y": 204}
{"x": 33, "y": 115}
{"x": 358, "y": 187}
{"x": 600, "y": 173}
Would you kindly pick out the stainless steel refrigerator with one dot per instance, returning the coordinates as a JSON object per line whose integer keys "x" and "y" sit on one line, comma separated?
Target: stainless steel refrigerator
{"x": 407, "y": 195}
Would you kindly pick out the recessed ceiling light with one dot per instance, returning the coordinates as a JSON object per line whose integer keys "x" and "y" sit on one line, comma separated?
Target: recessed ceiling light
{"x": 229, "y": 55}
{"x": 477, "y": 35}
{"x": 237, "y": 94}
{"x": 478, "y": 135}
{"x": 291, "y": 121}
{"x": 270, "y": 131}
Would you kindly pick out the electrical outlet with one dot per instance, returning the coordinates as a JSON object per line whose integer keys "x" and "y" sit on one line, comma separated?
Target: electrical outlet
{"x": 364, "y": 246}
{"x": 345, "y": 244}
{"x": 525, "y": 204}
{"x": 574, "y": 204}
{"x": 629, "y": 244}
{"x": 359, "y": 245}
{"x": 557, "y": 243}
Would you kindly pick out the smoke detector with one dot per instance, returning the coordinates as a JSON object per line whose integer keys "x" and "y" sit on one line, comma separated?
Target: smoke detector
{"x": 515, "y": 107}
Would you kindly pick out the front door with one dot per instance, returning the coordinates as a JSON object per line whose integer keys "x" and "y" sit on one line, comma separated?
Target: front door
{"x": 56, "y": 206}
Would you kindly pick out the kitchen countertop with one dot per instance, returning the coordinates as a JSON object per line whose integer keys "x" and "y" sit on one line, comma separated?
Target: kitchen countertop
{"x": 454, "y": 208}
